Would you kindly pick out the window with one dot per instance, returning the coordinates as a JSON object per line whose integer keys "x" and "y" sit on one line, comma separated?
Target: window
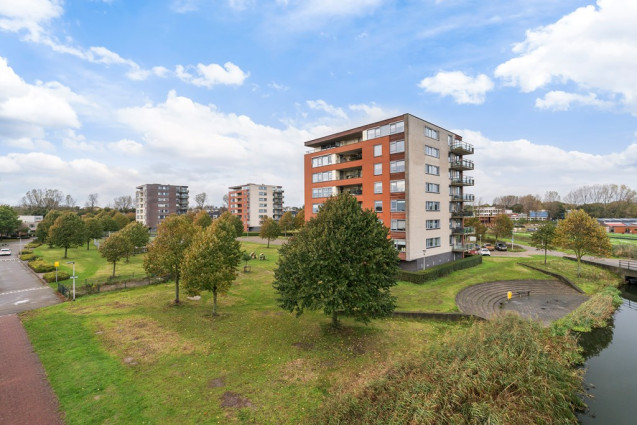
{"x": 320, "y": 177}
{"x": 397, "y": 186}
{"x": 266, "y": 193}
{"x": 433, "y": 242}
{"x": 378, "y": 150}
{"x": 322, "y": 192}
{"x": 263, "y": 205}
{"x": 320, "y": 161}
{"x": 449, "y": 139}
{"x": 263, "y": 210}
{"x": 397, "y": 166}
{"x": 397, "y": 146}
{"x": 432, "y": 188}
{"x": 263, "y": 188}
{"x": 315, "y": 208}
{"x": 378, "y": 169}
{"x": 398, "y": 225}
{"x": 432, "y": 206}
{"x": 398, "y": 205}
{"x": 432, "y": 169}
{"x": 430, "y": 132}
{"x": 433, "y": 224}
{"x": 378, "y": 187}
{"x": 431, "y": 151}
{"x": 400, "y": 245}
{"x": 396, "y": 127}
{"x": 263, "y": 199}
{"x": 378, "y": 206}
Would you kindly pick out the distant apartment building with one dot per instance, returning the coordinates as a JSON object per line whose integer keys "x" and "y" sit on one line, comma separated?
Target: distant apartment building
{"x": 619, "y": 225}
{"x": 155, "y": 202}
{"x": 410, "y": 172}
{"x": 30, "y": 222}
{"x": 252, "y": 202}
{"x": 538, "y": 215}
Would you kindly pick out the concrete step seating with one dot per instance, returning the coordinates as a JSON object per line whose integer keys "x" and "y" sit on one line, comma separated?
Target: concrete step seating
{"x": 484, "y": 299}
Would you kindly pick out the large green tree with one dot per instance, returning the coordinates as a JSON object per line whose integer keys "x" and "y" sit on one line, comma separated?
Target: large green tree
{"x": 269, "y": 230}
{"x": 114, "y": 248}
{"x": 299, "y": 220}
{"x": 211, "y": 261}
{"x": 480, "y": 228}
{"x": 544, "y": 237}
{"x": 165, "y": 253}
{"x": 136, "y": 233}
{"x": 582, "y": 234}
{"x": 341, "y": 261}
{"x": 68, "y": 231}
{"x": 9, "y": 221}
{"x": 42, "y": 231}
{"x": 502, "y": 226}
{"x": 94, "y": 230}
{"x": 234, "y": 220}
{"x": 287, "y": 222}
{"x": 202, "y": 219}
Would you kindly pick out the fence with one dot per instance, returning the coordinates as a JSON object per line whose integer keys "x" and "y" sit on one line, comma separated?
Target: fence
{"x": 628, "y": 264}
{"x": 118, "y": 283}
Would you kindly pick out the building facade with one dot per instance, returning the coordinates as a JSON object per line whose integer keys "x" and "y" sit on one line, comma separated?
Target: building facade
{"x": 155, "y": 202}
{"x": 407, "y": 170}
{"x": 252, "y": 202}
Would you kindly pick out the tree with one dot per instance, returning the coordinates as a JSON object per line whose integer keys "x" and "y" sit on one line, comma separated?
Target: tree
{"x": 299, "y": 220}
{"x": 67, "y": 231}
{"x": 137, "y": 234}
{"x": 506, "y": 201}
{"x": 269, "y": 230}
{"x": 92, "y": 200}
{"x": 69, "y": 202}
{"x": 502, "y": 226}
{"x": 480, "y": 228}
{"x": 286, "y": 222}
{"x": 203, "y": 220}
{"x": 42, "y": 231}
{"x": 39, "y": 201}
{"x": 200, "y": 200}
{"x": 94, "y": 230}
{"x": 165, "y": 253}
{"x": 340, "y": 261}
{"x": 120, "y": 219}
{"x": 211, "y": 261}
{"x": 234, "y": 220}
{"x": 543, "y": 237}
{"x": 123, "y": 203}
{"x": 9, "y": 221}
{"x": 581, "y": 234}
{"x": 115, "y": 247}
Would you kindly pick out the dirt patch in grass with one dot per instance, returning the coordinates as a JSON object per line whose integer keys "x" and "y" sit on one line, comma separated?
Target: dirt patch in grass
{"x": 237, "y": 401}
{"x": 305, "y": 346}
{"x": 217, "y": 383}
{"x": 142, "y": 340}
{"x": 298, "y": 370}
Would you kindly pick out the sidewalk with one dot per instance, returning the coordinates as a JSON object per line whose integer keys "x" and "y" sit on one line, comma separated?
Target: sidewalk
{"x": 25, "y": 394}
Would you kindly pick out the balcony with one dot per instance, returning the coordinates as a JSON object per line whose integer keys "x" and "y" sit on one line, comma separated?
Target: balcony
{"x": 468, "y": 197}
{"x": 356, "y": 174}
{"x": 352, "y": 190}
{"x": 461, "y": 165}
{"x": 459, "y": 230}
{"x": 461, "y": 247}
{"x": 461, "y": 148}
{"x": 462, "y": 181}
{"x": 458, "y": 198}
{"x": 461, "y": 214}
{"x": 349, "y": 157}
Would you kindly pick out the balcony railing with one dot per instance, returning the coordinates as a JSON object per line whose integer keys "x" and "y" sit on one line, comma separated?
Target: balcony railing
{"x": 349, "y": 158}
{"x": 461, "y": 247}
{"x": 469, "y": 197}
{"x": 461, "y": 214}
{"x": 459, "y": 198}
{"x": 462, "y": 181}
{"x": 461, "y": 148}
{"x": 350, "y": 176}
{"x": 461, "y": 164}
{"x": 459, "y": 230}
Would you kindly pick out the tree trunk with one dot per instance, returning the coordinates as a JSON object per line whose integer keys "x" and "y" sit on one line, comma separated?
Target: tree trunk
{"x": 65, "y": 249}
{"x": 334, "y": 319}
{"x": 578, "y": 264}
{"x": 114, "y": 262}
{"x": 545, "y": 249}
{"x": 268, "y": 242}
{"x": 214, "y": 302}
{"x": 177, "y": 289}
{"x": 88, "y": 244}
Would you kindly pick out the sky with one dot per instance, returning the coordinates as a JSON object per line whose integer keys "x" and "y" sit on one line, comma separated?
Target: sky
{"x": 101, "y": 96}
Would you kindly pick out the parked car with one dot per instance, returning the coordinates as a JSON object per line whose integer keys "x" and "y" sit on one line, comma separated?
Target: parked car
{"x": 485, "y": 251}
{"x": 5, "y": 251}
{"x": 500, "y": 246}
{"x": 488, "y": 246}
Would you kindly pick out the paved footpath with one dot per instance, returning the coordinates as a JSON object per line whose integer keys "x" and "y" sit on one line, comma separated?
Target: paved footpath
{"x": 25, "y": 394}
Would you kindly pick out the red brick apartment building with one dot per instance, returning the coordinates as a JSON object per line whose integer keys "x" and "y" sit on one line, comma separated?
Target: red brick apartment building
{"x": 409, "y": 171}
{"x": 155, "y": 202}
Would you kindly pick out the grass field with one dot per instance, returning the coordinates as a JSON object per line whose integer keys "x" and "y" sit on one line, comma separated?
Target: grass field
{"x": 134, "y": 357}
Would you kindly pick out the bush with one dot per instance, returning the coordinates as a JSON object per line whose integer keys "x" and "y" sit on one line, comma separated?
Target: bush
{"x": 27, "y": 251}
{"x": 50, "y": 277}
{"x": 439, "y": 271}
{"x": 41, "y": 266}
{"x": 625, "y": 251}
{"x": 28, "y": 257}
{"x": 250, "y": 234}
{"x": 33, "y": 244}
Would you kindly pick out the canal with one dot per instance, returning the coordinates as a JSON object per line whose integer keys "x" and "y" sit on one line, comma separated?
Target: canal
{"x": 611, "y": 371}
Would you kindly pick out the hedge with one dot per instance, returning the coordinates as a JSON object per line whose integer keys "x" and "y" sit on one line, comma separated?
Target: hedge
{"x": 435, "y": 272}
{"x": 33, "y": 244}
{"x": 26, "y": 251}
{"x": 41, "y": 266}
{"x": 50, "y": 277}
{"x": 28, "y": 257}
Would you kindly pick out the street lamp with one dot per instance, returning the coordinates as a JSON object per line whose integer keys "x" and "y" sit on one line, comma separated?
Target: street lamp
{"x": 73, "y": 277}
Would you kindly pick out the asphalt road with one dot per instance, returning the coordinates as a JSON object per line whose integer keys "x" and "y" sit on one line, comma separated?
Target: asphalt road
{"x": 20, "y": 289}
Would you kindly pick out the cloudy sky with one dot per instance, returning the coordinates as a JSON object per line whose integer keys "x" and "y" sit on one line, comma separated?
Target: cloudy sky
{"x": 100, "y": 96}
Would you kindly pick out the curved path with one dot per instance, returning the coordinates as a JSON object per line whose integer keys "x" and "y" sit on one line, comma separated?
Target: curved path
{"x": 547, "y": 300}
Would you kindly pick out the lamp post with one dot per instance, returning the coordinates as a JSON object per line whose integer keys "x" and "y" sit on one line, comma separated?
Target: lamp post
{"x": 73, "y": 277}
{"x": 20, "y": 245}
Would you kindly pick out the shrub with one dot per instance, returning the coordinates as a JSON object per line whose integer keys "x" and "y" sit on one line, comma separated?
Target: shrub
{"x": 27, "y": 251}
{"x": 439, "y": 271}
{"x": 33, "y": 244}
{"x": 41, "y": 266}
{"x": 50, "y": 276}
{"x": 28, "y": 257}
{"x": 625, "y": 250}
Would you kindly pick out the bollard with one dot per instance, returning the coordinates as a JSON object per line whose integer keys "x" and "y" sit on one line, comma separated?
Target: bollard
{"x": 509, "y": 295}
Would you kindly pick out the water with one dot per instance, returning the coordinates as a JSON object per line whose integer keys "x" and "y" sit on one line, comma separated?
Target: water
{"x": 611, "y": 367}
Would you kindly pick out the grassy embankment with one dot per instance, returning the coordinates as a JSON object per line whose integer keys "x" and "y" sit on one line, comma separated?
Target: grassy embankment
{"x": 132, "y": 357}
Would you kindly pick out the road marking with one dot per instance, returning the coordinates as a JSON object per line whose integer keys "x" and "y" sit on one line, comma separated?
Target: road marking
{"x": 20, "y": 302}
{"x": 9, "y": 259}
{"x": 17, "y": 291}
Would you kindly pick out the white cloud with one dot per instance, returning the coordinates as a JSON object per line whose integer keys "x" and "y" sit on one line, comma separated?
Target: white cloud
{"x": 29, "y": 144}
{"x": 321, "y": 105}
{"x": 29, "y": 15}
{"x": 304, "y": 15}
{"x": 521, "y": 167}
{"x": 463, "y": 88}
{"x": 593, "y": 47}
{"x": 371, "y": 113}
{"x": 127, "y": 146}
{"x": 212, "y": 74}
{"x": 561, "y": 101}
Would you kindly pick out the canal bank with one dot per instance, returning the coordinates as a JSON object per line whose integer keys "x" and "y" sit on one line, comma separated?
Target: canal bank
{"x": 610, "y": 381}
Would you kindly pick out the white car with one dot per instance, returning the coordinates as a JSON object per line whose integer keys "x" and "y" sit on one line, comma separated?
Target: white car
{"x": 5, "y": 251}
{"x": 484, "y": 251}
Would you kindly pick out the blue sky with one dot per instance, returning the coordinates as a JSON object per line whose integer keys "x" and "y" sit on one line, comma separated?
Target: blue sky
{"x": 103, "y": 96}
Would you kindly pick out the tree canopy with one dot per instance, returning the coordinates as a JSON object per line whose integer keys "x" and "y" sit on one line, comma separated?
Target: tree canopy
{"x": 94, "y": 230}
{"x": 202, "y": 219}
{"x": 269, "y": 229}
{"x": 211, "y": 261}
{"x": 42, "y": 231}
{"x": 166, "y": 252}
{"x": 583, "y": 235}
{"x": 137, "y": 234}
{"x": 234, "y": 220}
{"x": 340, "y": 261}
{"x": 115, "y": 247}
{"x": 9, "y": 221}
{"x": 543, "y": 237}
{"x": 287, "y": 222}
{"x": 502, "y": 226}
{"x": 67, "y": 231}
